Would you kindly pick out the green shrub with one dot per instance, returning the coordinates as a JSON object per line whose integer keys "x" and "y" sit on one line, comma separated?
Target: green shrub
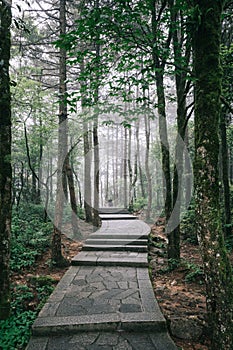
{"x": 194, "y": 272}
{"x": 30, "y": 236}
{"x": 139, "y": 203}
{"x": 188, "y": 226}
{"x": 16, "y": 330}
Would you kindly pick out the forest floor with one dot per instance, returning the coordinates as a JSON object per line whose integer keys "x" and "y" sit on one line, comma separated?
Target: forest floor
{"x": 177, "y": 298}
{"x": 180, "y": 292}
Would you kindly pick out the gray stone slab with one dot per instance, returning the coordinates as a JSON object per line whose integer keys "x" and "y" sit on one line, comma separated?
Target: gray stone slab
{"x": 162, "y": 341}
{"x": 115, "y": 340}
{"x": 37, "y": 343}
{"x": 130, "y": 248}
{"x": 142, "y": 274}
{"x": 62, "y": 325}
{"x": 111, "y": 258}
{"x": 126, "y": 308}
{"x": 49, "y": 309}
{"x": 118, "y": 235}
{"x": 113, "y": 210}
{"x": 118, "y": 217}
{"x": 115, "y": 241}
{"x": 136, "y": 262}
{"x": 143, "y": 322}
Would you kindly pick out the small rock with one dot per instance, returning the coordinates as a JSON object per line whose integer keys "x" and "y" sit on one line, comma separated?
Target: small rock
{"x": 160, "y": 289}
{"x": 190, "y": 328}
{"x": 161, "y": 261}
{"x": 174, "y": 283}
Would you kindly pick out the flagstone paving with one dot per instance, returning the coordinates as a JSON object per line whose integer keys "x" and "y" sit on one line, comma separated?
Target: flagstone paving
{"x": 105, "y": 301}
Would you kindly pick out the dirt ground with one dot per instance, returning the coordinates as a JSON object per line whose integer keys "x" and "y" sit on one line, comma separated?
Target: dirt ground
{"x": 176, "y": 297}
{"x": 181, "y": 292}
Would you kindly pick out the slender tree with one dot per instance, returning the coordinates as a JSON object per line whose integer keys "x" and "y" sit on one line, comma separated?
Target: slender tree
{"x": 217, "y": 267}
{"x": 5, "y": 158}
{"x": 61, "y": 195}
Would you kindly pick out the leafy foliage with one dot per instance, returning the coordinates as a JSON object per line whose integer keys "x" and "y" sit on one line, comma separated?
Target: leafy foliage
{"x": 187, "y": 226}
{"x": 16, "y": 330}
{"x": 30, "y": 236}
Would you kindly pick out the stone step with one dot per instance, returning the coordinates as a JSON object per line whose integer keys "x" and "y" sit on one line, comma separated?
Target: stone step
{"x": 96, "y": 340}
{"x": 117, "y": 242}
{"x": 128, "y": 248}
{"x": 117, "y": 217}
{"x": 118, "y": 236}
{"x": 111, "y": 258}
{"x": 99, "y": 322}
{"x": 113, "y": 210}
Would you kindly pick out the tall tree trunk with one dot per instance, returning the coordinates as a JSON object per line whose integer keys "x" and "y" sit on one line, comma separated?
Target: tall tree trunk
{"x": 87, "y": 144}
{"x": 217, "y": 267}
{"x": 5, "y": 159}
{"x": 143, "y": 194}
{"x": 130, "y": 170}
{"x": 96, "y": 218}
{"x": 125, "y": 169}
{"x": 225, "y": 177}
{"x": 61, "y": 192}
{"x": 159, "y": 65}
{"x": 87, "y": 173}
{"x": 73, "y": 201}
{"x": 117, "y": 149}
{"x": 147, "y": 168}
{"x": 40, "y": 165}
{"x": 182, "y": 88}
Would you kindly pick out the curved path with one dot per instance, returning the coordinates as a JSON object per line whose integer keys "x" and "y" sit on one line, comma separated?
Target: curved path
{"x": 105, "y": 301}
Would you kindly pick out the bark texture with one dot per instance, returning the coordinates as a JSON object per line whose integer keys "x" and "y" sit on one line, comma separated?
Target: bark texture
{"x": 61, "y": 191}
{"x": 5, "y": 158}
{"x": 217, "y": 268}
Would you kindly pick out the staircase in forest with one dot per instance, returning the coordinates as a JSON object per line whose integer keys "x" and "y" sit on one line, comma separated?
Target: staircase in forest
{"x": 105, "y": 301}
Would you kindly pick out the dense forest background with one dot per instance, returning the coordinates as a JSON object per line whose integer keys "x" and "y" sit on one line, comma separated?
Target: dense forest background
{"x": 116, "y": 103}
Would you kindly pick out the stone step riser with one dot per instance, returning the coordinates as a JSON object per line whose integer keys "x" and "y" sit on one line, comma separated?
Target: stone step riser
{"x": 112, "y": 217}
{"x": 118, "y": 242}
{"x": 117, "y": 236}
{"x": 113, "y": 210}
{"x": 66, "y": 327}
{"x": 107, "y": 262}
{"x": 129, "y": 248}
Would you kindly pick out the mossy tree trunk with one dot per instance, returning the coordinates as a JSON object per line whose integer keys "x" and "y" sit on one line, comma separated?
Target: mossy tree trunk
{"x": 217, "y": 267}
{"x": 225, "y": 177}
{"x": 5, "y": 158}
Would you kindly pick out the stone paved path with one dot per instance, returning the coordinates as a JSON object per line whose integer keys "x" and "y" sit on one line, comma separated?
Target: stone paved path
{"x": 105, "y": 301}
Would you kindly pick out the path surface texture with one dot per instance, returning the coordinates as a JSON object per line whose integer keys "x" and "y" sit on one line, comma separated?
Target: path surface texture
{"x": 105, "y": 301}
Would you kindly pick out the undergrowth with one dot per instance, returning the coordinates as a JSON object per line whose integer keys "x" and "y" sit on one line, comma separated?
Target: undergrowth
{"x": 30, "y": 239}
{"x": 30, "y": 236}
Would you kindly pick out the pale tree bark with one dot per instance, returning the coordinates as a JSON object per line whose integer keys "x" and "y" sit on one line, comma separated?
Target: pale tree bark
{"x": 61, "y": 195}
{"x": 129, "y": 160}
{"x": 87, "y": 144}
{"x": 125, "y": 197}
{"x": 87, "y": 173}
{"x": 147, "y": 167}
{"x": 5, "y": 158}
{"x": 142, "y": 188}
{"x": 217, "y": 267}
